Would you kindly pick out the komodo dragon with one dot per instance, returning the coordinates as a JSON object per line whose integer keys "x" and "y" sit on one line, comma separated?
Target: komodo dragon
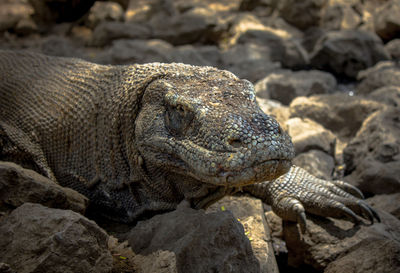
{"x": 140, "y": 139}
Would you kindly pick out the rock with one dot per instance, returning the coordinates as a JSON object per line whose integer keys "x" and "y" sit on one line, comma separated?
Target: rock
{"x": 347, "y": 52}
{"x": 106, "y": 32}
{"x": 267, "y": 6}
{"x": 56, "y": 11}
{"x": 387, "y": 202}
{"x": 249, "y": 61}
{"x": 197, "y": 24}
{"x": 382, "y": 74}
{"x": 12, "y": 12}
{"x": 340, "y": 113}
{"x": 389, "y": 95}
{"x": 104, "y": 11}
{"x": 302, "y": 14}
{"x": 275, "y": 45}
{"x": 19, "y": 186}
{"x": 308, "y": 135}
{"x": 200, "y": 55}
{"x": 387, "y": 21}
{"x": 25, "y": 26}
{"x": 329, "y": 243}
{"x": 316, "y": 162}
{"x": 393, "y": 48}
{"x": 249, "y": 211}
{"x": 60, "y": 46}
{"x": 372, "y": 157}
{"x": 200, "y": 242}
{"x": 136, "y": 51}
{"x": 34, "y": 238}
{"x": 341, "y": 16}
{"x": 285, "y": 85}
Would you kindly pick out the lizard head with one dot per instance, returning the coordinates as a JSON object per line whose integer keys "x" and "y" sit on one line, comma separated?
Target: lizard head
{"x": 205, "y": 123}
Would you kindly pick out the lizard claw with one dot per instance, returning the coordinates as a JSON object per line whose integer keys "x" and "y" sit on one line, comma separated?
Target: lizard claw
{"x": 297, "y": 192}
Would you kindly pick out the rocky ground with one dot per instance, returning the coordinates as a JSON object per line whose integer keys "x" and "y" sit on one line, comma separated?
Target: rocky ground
{"x": 329, "y": 72}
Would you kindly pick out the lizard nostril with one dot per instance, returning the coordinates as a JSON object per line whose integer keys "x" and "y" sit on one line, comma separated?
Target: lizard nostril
{"x": 235, "y": 142}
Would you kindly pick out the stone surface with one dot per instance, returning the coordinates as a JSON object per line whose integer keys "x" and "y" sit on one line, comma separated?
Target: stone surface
{"x": 34, "y": 238}
{"x": 393, "y": 48}
{"x": 382, "y": 74}
{"x": 200, "y": 242}
{"x": 308, "y": 135}
{"x": 106, "y": 32}
{"x": 317, "y": 163}
{"x": 285, "y": 85}
{"x": 356, "y": 248}
{"x": 340, "y": 113}
{"x": 387, "y": 20}
{"x": 347, "y": 52}
{"x": 104, "y": 11}
{"x": 389, "y": 95}
{"x": 372, "y": 157}
{"x": 12, "y": 11}
{"x": 249, "y": 211}
{"x": 19, "y": 186}
{"x": 302, "y": 14}
{"x": 342, "y": 15}
{"x": 387, "y": 202}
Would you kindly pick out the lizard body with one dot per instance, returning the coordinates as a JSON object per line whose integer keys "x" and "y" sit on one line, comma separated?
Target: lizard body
{"x": 141, "y": 138}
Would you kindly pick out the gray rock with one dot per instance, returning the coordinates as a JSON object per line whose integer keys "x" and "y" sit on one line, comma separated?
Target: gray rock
{"x": 389, "y": 95}
{"x": 249, "y": 211}
{"x": 316, "y": 162}
{"x": 341, "y": 16}
{"x": 340, "y": 113}
{"x": 387, "y": 202}
{"x": 213, "y": 242}
{"x": 19, "y": 186}
{"x": 387, "y": 20}
{"x": 372, "y": 158}
{"x": 347, "y": 52}
{"x": 249, "y": 61}
{"x": 136, "y": 51}
{"x": 302, "y": 14}
{"x": 308, "y": 135}
{"x": 382, "y": 74}
{"x": 393, "y": 48}
{"x": 104, "y": 11}
{"x": 201, "y": 55}
{"x": 34, "y": 238}
{"x": 12, "y": 11}
{"x": 106, "y": 32}
{"x": 285, "y": 85}
{"x": 357, "y": 248}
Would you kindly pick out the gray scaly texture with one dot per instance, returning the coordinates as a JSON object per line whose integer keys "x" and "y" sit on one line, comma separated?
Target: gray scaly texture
{"x": 140, "y": 139}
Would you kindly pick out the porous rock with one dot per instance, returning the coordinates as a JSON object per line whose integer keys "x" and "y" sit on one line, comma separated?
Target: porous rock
{"x": 12, "y": 12}
{"x": 389, "y": 95}
{"x": 347, "y": 52}
{"x": 285, "y": 85}
{"x": 307, "y": 135}
{"x": 104, "y": 11}
{"x": 341, "y": 15}
{"x": 34, "y": 238}
{"x": 200, "y": 242}
{"x": 393, "y": 48}
{"x": 317, "y": 163}
{"x": 372, "y": 157}
{"x": 387, "y": 20}
{"x": 249, "y": 211}
{"x": 19, "y": 186}
{"x": 106, "y": 32}
{"x": 343, "y": 246}
{"x": 302, "y": 14}
{"x": 387, "y": 202}
{"x": 340, "y": 113}
{"x": 382, "y": 74}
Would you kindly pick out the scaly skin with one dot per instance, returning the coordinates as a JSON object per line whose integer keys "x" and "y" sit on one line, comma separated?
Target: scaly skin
{"x": 142, "y": 138}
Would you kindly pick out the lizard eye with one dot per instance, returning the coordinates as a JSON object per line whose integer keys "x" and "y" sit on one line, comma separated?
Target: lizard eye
{"x": 178, "y": 118}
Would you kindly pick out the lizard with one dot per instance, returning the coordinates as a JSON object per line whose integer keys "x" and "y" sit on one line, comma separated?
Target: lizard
{"x": 139, "y": 139}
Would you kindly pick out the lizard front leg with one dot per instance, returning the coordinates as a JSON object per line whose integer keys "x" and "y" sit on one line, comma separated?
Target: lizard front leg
{"x": 297, "y": 192}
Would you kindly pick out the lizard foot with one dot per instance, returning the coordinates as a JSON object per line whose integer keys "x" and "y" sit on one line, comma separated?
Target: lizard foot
{"x": 298, "y": 192}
